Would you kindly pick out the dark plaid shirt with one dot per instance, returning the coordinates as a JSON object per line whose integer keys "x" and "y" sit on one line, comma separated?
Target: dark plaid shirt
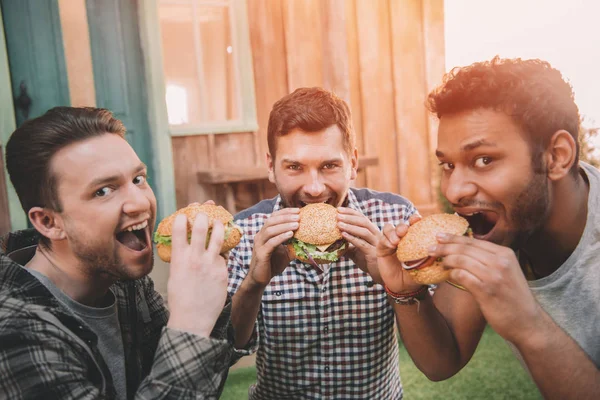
{"x": 323, "y": 335}
{"x": 46, "y": 352}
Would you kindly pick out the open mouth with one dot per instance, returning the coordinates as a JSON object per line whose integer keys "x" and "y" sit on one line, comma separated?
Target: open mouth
{"x": 136, "y": 237}
{"x": 481, "y": 222}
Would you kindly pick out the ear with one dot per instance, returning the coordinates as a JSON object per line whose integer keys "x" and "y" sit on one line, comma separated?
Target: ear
{"x": 270, "y": 162}
{"x": 47, "y": 223}
{"x": 560, "y": 155}
{"x": 354, "y": 164}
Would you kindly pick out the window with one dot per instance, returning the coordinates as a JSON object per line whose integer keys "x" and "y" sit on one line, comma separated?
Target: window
{"x": 207, "y": 66}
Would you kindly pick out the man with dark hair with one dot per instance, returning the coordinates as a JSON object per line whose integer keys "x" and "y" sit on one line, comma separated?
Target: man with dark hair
{"x": 508, "y": 148}
{"x": 79, "y": 317}
{"x": 327, "y": 332}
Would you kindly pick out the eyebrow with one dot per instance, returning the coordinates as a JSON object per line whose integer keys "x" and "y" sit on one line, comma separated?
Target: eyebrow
{"x": 112, "y": 178}
{"x": 471, "y": 146}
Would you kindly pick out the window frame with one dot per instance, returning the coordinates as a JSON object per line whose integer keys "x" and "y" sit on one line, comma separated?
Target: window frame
{"x": 247, "y": 122}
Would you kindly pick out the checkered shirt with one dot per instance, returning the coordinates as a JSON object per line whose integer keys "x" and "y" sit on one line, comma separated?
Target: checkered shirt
{"x": 46, "y": 352}
{"x": 323, "y": 335}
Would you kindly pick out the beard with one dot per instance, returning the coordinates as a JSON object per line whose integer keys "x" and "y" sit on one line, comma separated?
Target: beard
{"x": 102, "y": 259}
{"x": 530, "y": 208}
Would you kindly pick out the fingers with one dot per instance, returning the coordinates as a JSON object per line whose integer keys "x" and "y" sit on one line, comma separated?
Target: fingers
{"x": 199, "y": 231}
{"x": 210, "y": 202}
{"x": 414, "y": 219}
{"x": 469, "y": 241}
{"x": 401, "y": 230}
{"x": 470, "y": 265}
{"x": 269, "y": 232}
{"x": 353, "y": 217}
{"x": 359, "y": 232}
{"x": 387, "y": 241}
{"x": 271, "y": 244}
{"x": 358, "y": 242}
{"x": 283, "y": 216}
{"x": 283, "y": 222}
{"x": 217, "y": 237}
{"x": 179, "y": 233}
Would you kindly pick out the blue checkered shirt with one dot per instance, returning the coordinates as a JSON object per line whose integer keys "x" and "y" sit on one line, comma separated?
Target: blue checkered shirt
{"x": 323, "y": 335}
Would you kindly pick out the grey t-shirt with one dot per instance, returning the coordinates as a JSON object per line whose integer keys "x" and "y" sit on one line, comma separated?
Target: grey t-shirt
{"x": 571, "y": 295}
{"x": 104, "y": 322}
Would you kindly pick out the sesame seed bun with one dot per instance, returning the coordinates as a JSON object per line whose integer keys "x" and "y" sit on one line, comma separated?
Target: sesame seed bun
{"x": 214, "y": 212}
{"x": 318, "y": 224}
{"x": 431, "y": 275}
{"x": 421, "y": 235}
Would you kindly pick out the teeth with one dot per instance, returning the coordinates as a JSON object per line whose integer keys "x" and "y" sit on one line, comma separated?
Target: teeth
{"x": 473, "y": 213}
{"x": 138, "y": 226}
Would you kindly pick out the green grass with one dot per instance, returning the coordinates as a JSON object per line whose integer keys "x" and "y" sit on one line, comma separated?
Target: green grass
{"x": 493, "y": 373}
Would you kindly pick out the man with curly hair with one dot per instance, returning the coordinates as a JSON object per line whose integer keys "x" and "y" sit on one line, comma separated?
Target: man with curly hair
{"x": 508, "y": 149}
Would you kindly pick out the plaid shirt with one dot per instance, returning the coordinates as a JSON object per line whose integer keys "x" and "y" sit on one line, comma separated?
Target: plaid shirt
{"x": 323, "y": 335}
{"x": 46, "y": 352}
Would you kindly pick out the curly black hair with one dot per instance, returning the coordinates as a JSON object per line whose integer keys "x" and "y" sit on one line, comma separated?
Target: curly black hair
{"x": 533, "y": 93}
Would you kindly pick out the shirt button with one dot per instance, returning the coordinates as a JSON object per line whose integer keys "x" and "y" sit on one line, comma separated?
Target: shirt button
{"x": 324, "y": 289}
{"x": 278, "y": 293}
{"x": 326, "y": 330}
{"x": 327, "y": 368}
{"x": 369, "y": 284}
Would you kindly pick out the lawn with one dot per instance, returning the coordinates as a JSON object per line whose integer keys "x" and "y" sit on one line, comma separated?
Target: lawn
{"x": 493, "y": 373}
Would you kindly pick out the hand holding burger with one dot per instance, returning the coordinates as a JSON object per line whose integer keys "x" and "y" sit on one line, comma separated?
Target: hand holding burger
{"x": 413, "y": 248}
{"x": 402, "y": 251}
{"x": 317, "y": 239}
{"x": 162, "y": 237}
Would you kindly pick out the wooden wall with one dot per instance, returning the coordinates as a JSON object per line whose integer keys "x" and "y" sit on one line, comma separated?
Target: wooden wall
{"x": 381, "y": 56}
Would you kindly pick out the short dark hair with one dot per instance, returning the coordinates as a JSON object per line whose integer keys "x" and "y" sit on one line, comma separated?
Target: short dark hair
{"x": 30, "y": 149}
{"x": 533, "y": 93}
{"x": 311, "y": 110}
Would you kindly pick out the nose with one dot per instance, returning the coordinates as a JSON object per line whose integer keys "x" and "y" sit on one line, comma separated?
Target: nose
{"x": 458, "y": 186}
{"x": 315, "y": 186}
{"x": 137, "y": 201}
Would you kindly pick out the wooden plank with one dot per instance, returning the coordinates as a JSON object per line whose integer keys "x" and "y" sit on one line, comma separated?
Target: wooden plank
{"x": 303, "y": 42}
{"x": 354, "y": 82}
{"x": 336, "y": 70}
{"x": 190, "y": 155}
{"x": 236, "y": 174}
{"x": 270, "y": 66}
{"x": 435, "y": 66}
{"x": 377, "y": 100}
{"x": 408, "y": 56}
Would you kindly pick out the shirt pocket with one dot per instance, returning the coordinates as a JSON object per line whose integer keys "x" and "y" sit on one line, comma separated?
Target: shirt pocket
{"x": 284, "y": 316}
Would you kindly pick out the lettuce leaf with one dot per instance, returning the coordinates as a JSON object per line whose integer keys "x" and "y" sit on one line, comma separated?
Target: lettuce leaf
{"x": 303, "y": 249}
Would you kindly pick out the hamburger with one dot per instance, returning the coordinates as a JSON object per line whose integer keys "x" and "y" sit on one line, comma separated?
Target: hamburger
{"x": 412, "y": 249}
{"x": 317, "y": 239}
{"x": 162, "y": 236}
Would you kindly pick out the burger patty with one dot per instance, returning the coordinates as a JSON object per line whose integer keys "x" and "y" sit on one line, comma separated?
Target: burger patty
{"x": 335, "y": 245}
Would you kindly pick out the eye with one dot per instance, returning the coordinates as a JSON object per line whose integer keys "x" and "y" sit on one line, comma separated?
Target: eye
{"x": 482, "y": 162}
{"x": 139, "y": 180}
{"x": 447, "y": 166}
{"x": 329, "y": 166}
{"x": 103, "y": 192}
{"x": 293, "y": 167}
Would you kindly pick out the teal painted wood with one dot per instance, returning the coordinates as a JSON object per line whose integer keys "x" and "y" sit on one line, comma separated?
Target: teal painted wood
{"x": 18, "y": 219}
{"x": 35, "y": 53}
{"x": 119, "y": 72}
